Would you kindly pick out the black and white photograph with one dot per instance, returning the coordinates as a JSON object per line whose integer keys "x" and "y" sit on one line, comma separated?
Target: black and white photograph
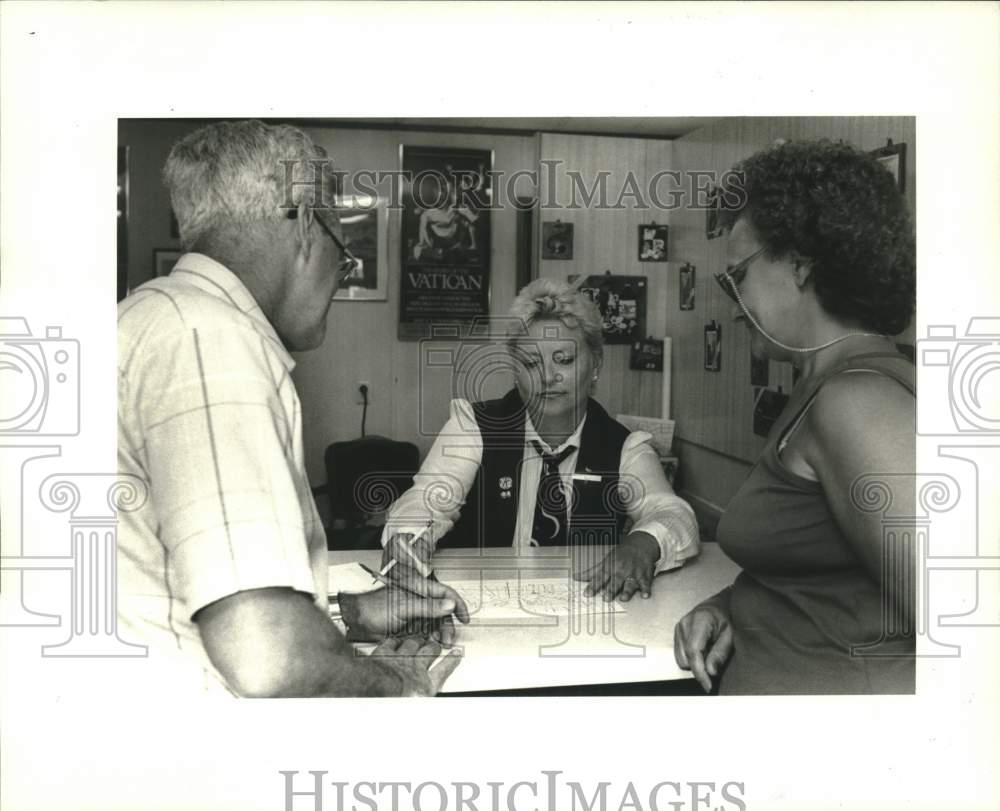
{"x": 653, "y": 243}
{"x": 375, "y": 387}
{"x": 557, "y": 240}
{"x": 686, "y": 286}
{"x": 713, "y": 347}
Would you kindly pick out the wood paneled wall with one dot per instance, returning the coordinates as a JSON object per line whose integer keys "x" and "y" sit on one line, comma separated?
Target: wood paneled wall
{"x": 605, "y": 239}
{"x": 713, "y": 410}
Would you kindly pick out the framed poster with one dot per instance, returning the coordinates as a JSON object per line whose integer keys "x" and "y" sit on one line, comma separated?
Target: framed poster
{"x": 164, "y": 260}
{"x": 622, "y": 302}
{"x": 364, "y": 223}
{"x": 686, "y": 279}
{"x": 652, "y": 243}
{"x": 444, "y": 238}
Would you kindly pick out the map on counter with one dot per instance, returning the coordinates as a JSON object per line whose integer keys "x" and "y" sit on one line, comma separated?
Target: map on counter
{"x": 525, "y": 598}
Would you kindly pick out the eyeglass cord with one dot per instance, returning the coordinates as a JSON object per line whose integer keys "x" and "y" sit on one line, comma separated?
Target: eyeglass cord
{"x": 776, "y": 342}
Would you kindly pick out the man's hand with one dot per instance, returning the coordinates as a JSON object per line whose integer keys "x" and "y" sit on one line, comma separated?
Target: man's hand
{"x": 411, "y": 660}
{"x": 625, "y": 570}
{"x": 703, "y": 641}
{"x": 409, "y": 558}
{"x": 412, "y": 605}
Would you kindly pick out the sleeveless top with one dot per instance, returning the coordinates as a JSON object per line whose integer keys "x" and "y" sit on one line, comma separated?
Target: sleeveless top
{"x": 804, "y": 598}
{"x": 488, "y": 518}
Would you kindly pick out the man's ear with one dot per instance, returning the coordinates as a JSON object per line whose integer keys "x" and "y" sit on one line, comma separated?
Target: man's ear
{"x": 303, "y": 222}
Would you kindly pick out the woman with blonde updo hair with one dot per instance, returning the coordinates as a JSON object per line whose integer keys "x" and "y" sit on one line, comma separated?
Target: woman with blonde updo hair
{"x": 545, "y": 465}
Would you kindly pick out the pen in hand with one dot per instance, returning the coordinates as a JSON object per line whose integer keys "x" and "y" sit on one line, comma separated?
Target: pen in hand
{"x": 417, "y": 563}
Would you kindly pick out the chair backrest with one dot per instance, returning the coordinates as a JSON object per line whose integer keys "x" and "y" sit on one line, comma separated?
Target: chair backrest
{"x": 365, "y": 476}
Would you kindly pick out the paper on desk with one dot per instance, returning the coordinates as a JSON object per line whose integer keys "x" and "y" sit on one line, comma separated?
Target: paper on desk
{"x": 526, "y": 597}
{"x": 350, "y": 577}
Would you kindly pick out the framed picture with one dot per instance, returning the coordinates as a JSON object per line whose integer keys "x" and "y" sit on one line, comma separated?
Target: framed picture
{"x": 713, "y": 346}
{"x": 164, "y": 260}
{"x": 445, "y": 238}
{"x": 686, "y": 281}
{"x": 364, "y": 222}
{"x": 622, "y": 302}
{"x": 893, "y": 158}
{"x": 712, "y": 227}
{"x": 646, "y": 356}
{"x": 557, "y": 240}
{"x": 652, "y": 243}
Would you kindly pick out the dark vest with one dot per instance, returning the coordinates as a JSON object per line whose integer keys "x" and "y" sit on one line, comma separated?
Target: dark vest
{"x": 489, "y": 515}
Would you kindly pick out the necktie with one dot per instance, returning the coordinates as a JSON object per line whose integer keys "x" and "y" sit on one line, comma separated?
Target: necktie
{"x": 550, "y": 524}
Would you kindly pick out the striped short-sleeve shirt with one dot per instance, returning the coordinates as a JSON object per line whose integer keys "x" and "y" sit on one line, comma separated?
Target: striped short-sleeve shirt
{"x": 210, "y": 423}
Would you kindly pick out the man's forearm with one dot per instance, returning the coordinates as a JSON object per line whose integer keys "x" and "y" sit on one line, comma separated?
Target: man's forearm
{"x": 276, "y": 642}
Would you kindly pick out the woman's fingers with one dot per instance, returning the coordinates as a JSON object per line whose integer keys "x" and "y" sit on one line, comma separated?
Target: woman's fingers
{"x": 721, "y": 651}
{"x": 630, "y": 585}
{"x": 692, "y": 638}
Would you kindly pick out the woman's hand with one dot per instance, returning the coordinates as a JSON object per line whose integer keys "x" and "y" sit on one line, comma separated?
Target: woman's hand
{"x": 703, "y": 641}
{"x": 625, "y": 570}
{"x": 411, "y": 557}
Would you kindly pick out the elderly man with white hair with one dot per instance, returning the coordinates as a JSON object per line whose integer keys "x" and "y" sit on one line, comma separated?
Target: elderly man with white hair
{"x": 222, "y": 571}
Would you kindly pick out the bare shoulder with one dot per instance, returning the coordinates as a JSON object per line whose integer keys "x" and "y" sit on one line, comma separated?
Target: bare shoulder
{"x": 863, "y": 415}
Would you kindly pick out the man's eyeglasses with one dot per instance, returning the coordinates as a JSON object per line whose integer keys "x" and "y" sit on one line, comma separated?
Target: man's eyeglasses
{"x": 349, "y": 263}
{"x": 732, "y": 278}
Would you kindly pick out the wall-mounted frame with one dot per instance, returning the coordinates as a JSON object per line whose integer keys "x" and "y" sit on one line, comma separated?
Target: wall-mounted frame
{"x": 686, "y": 284}
{"x": 653, "y": 243}
{"x": 365, "y": 225}
{"x": 444, "y": 239}
{"x": 622, "y": 302}
{"x": 713, "y": 228}
{"x": 164, "y": 260}
{"x": 893, "y": 158}
{"x": 713, "y": 346}
{"x": 557, "y": 240}
{"x": 647, "y": 355}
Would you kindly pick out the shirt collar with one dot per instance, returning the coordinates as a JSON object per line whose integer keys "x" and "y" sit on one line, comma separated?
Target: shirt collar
{"x": 530, "y": 434}
{"x": 217, "y": 280}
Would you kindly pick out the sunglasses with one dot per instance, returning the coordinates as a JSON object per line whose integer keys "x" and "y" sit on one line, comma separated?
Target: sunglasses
{"x": 349, "y": 263}
{"x": 730, "y": 279}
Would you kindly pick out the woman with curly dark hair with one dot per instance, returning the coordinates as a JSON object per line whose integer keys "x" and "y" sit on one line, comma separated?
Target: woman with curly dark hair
{"x": 820, "y": 267}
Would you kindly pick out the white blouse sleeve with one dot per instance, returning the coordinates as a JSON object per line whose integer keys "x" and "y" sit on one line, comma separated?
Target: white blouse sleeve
{"x": 443, "y": 482}
{"x": 652, "y": 504}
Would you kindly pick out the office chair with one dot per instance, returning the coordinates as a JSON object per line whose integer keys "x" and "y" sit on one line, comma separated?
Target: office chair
{"x": 364, "y": 477}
